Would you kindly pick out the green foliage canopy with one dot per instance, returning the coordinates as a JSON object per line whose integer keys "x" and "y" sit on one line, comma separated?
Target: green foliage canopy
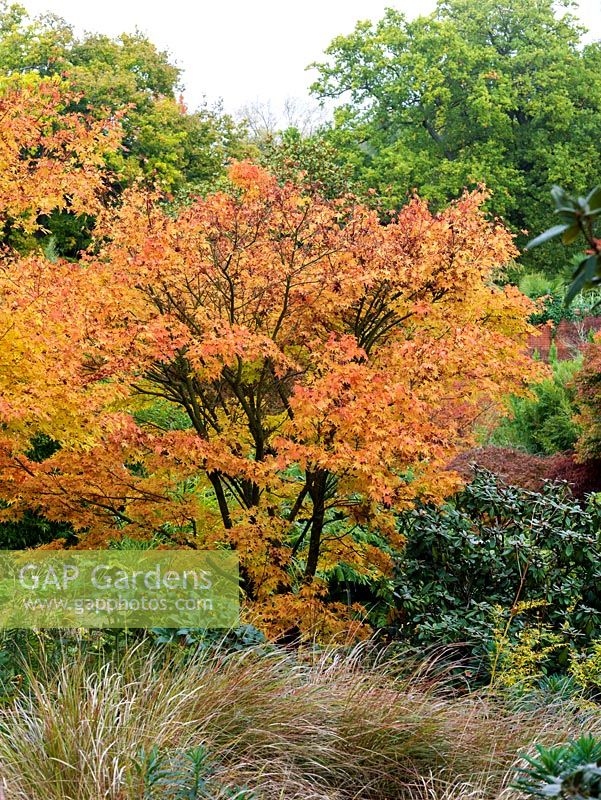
{"x": 504, "y": 93}
{"x": 544, "y": 423}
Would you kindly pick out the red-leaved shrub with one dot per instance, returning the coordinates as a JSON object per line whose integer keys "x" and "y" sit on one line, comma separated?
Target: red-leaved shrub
{"x": 518, "y": 468}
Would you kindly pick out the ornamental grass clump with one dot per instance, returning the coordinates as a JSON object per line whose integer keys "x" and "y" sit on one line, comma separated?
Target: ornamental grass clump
{"x": 329, "y": 726}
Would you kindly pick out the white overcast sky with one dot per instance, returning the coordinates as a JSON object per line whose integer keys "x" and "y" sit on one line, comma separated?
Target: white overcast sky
{"x": 243, "y": 51}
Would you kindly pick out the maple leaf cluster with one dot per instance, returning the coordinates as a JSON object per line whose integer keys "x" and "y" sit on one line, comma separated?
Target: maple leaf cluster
{"x": 261, "y": 369}
{"x": 50, "y": 159}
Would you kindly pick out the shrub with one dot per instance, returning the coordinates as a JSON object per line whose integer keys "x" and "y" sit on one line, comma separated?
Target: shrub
{"x": 518, "y": 657}
{"x": 531, "y": 472}
{"x": 550, "y": 292}
{"x": 584, "y": 478}
{"x": 492, "y": 547}
{"x": 589, "y": 395}
{"x": 183, "y": 775}
{"x": 515, "y": 467}
{"x": 545, "y": 423}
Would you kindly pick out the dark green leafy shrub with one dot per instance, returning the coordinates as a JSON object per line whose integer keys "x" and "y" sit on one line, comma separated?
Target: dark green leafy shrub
{"x": 550, "y": 690}
{"x": 491, "y": 547}
{"x": 240, "y": 638}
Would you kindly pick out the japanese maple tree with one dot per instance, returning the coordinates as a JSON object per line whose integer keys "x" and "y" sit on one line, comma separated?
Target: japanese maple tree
{"x": 264, "y": 370}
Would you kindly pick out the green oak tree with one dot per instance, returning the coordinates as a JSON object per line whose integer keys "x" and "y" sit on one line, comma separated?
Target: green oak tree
{"x": 503, "y": 92}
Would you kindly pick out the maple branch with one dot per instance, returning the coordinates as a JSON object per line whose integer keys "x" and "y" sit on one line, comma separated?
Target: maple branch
{"x": 301, "y": 538}
{"x": 233, "y": 485}
{"x": 317, "y": 492}
{"x": 214, "y": 477}
{"x": 298, "y": 503}
{"x": 119, "y": 514}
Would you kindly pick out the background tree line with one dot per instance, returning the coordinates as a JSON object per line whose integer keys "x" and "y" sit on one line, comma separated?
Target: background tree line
{"x": 508, "y": 94}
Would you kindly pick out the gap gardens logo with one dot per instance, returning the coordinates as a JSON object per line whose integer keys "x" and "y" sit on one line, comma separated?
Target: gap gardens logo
{"x": 118, "y": 589}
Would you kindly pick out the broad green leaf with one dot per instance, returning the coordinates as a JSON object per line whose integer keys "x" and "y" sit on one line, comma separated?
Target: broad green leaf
{"x": 572, "y": 233}
{"x": 562, "y": 199}
{"x": 594, "y": 199}
{"x": 583, "y": 276}
{"x": 551, "y": 233}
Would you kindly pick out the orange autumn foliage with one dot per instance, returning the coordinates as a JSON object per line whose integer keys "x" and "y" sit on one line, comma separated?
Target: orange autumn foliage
{"x": 262, "y": 370}
{"x": 50, "y": 159}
